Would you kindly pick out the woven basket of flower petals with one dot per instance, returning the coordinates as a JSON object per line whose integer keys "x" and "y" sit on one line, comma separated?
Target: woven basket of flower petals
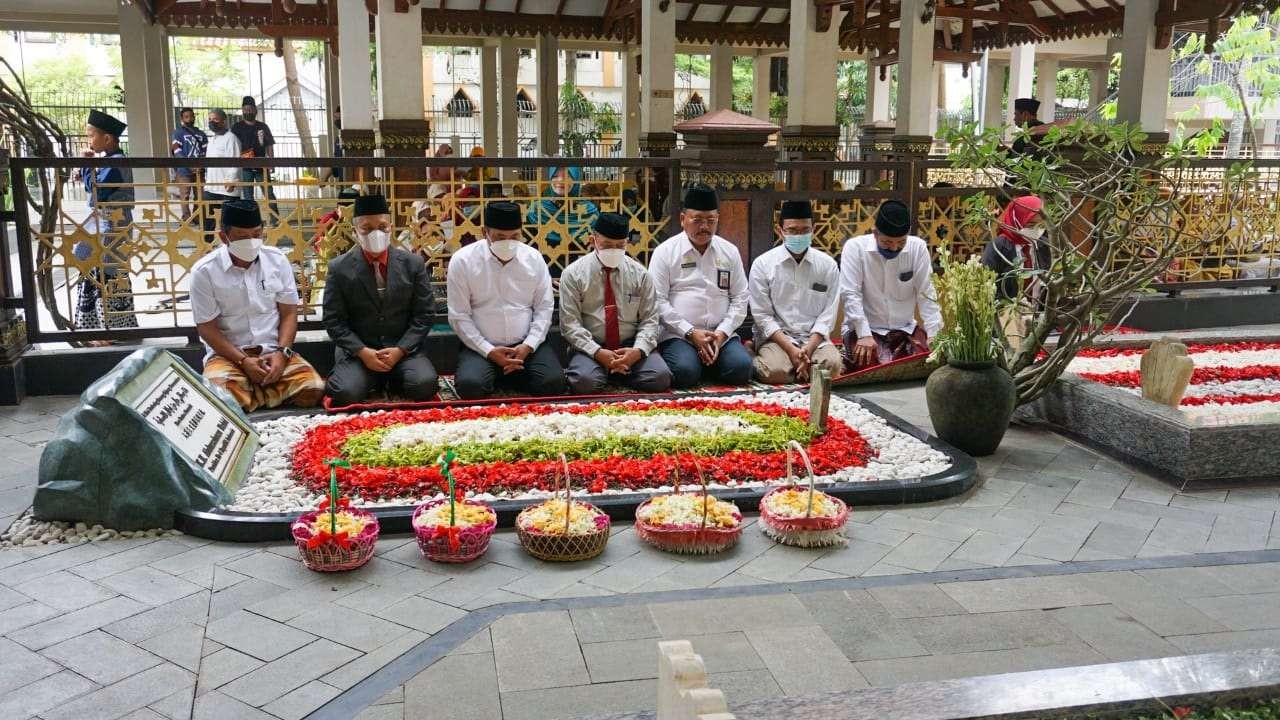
{"x": 462, "y": 542}
{"x": 689, "y": 523}
{"x": 325, "y": 551}
{"x": 563, "y": 530}
{"x": 803, "y": 517}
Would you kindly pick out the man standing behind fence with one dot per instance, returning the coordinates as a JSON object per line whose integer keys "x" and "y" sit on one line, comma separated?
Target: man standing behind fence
{"x": 188, "y": 141}
{"x": 256, "y": 141}
{"x": 219, "y": 182}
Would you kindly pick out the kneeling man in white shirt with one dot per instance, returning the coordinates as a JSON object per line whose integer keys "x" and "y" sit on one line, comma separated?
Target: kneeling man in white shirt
{"x": 884, "y": 278}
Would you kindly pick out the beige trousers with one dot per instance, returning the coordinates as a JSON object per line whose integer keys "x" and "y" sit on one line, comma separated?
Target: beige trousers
{"x": 774, "y": 367}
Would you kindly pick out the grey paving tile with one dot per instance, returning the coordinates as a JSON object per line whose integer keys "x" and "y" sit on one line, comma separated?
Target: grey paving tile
{"x": 537, "y": 650}
{"x": 216, "y": 706}
{"x": 19, "y": 666}
{"x": 738, "y": 579}
{"x": 470, "y": 584}
{"x": 285, "y": 606}
{"x": 626, "y": 574}
{"x": 1163, "y": 612}
{"x": 1111, "y": 517}
{"x": 1242, "y": 612}
{"x": 1185, "y": 582}
{"x": 272, "y": 568}
{"x": 1095, "y": 493}
{"x": 223, "y": 666}
{"x": 804, "y": 660}
{"x": 600, "y": 624}
{"x": 205, "y": 556}
{"x": 122, "y": 698}
{"x": 101, "y": 657}
{"x": 884, "y": 568}
{"x": 552, "y": 578}
{"x": 954, "y": 564}
{"x": 853, "y": 559}
{"x": 44, "y": 694}
{"x": 421, "y": 614}
{"x": 78, "y": 622}
{"x": 12, "y": 598}
{"x": 257, "y": 636}
{"x": 1178, "y": 535}
{"x": 921, "y": 552}
{"x": 149, "y": 714}
{"x": 1248, "y": 579}
{"x": 1113, "y": 633}
{"x": 1030, "y": 459}
{"x": 1055, "y": 543}
{"x": 987, "y": 519}
{"x": 64, "y": 591}
{"x": 291, "y": 671}
{"x": 931, "y": 528}
{"x": 726, "y": 652}
{"x": 994, "y": 492}
{"x": 359, "y": 669}
{"x": 154, "y": 621}
{"x": 1034, "y": 593}
{"x": 915, "y": 601}
{"x": 241, "y": 595}
{"x": 860, "y": 626}
{"x": 180, "y": 646}
{"x": 586, "y": 701}
{"x": 24, "y": 615}
{"x": 300, "y": 702}
{"x": 372, "y": 598}
{"x": 1201, "y": 504}
{"x": 1040, "y": 497}
{"x": 178, "y": 706}
{"x": 129, "y": 559}
{"x": 1261, "y": 498}
{"x": 695, "y": 617}
{"x": 1163, "y": 511}
{"x": 621, "y": 660}
{"x": 744, "y": 686}
{"x": 500, "y": 597}
{"x": 875, "y": 533}
{"x": 482, "y": 642}
{"x": 1116, "y": 540}
{"x": 781, "y": 562}
{"x": 1226, "y": 641}
{"x": 886, "y": 673}
{"x": 980, "y": 632}
{"x": 382, "y": 712}
{"x": 466, "y": 684}
{"x": 348, "y": 627}
{"x": 150, "y": 586}
{"x": 55, "y": 561}
{"x": 1231, "y": 534}
{"x": 988, "y": 548}
{"x": 1147, "y": 490}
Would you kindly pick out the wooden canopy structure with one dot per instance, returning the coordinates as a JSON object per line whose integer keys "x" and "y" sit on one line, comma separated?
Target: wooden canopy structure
{"x": 963, "y": 27}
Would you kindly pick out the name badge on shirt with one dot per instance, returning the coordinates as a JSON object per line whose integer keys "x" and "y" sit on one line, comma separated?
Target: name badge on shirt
{"x": 722, "y": 279}
{"x": 819, "y": 287}
{"x": 688, "y": 265}
{"x": 905, "y": 276}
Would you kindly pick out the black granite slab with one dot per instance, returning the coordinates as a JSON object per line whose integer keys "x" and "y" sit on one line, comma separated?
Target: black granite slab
{"x": 1189, "y": 451}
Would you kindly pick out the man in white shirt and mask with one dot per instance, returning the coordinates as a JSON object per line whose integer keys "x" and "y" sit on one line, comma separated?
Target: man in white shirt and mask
{"x": 377, "y": 309}
{"x": 244, "y": 301}
{"x": 609, "y": 316}
{"x": 884, "y": 278}
{"x": 795, "y": 292}
{"x": 702, "y": 297}
{"x": 220, "y": 183}
{"x": 500, "y": 306}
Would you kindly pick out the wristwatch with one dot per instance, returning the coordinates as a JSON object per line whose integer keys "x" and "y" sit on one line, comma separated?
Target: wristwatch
{"x": 287, "y": 352}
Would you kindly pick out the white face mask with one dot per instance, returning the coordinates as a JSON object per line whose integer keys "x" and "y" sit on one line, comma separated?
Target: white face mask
{"x": 245, "y": 249}
{"x": 611, "y": 258}
{"x": 504, "y": 250}
{"x": 1032, "y": 233}
{"x": 374, "y": 242}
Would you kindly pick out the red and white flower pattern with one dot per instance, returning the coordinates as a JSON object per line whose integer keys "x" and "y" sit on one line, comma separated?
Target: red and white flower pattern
{"x": 1230, "y": 379}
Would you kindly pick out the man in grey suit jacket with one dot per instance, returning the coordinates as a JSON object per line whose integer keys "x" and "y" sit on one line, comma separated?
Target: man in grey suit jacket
{"x": 377, "y": 309}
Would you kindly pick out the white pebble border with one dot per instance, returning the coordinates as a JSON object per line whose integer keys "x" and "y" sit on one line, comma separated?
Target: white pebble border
{"x": 270, "y": 487}
{"x": 26, "y": 531}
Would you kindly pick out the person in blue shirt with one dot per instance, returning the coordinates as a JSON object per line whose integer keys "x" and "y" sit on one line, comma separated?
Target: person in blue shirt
{"x": 561, "y": 209}
{"x": 104, "y": 294}
{"x": 187, "y": 141}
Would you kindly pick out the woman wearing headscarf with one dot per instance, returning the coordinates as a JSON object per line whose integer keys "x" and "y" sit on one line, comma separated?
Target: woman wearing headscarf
{"x": 561, "y": 209}
{"x": 1017, "y": 244}
{"x": 441, "y": 177}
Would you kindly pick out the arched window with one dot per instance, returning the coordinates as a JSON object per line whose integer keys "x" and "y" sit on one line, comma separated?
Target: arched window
{"x": 524, "y": 103}
{"x": 693, "y": 107}
{"x": 460, "y": 105}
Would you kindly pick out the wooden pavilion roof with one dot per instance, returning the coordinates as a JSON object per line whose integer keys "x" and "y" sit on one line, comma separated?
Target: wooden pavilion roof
{"x": 963, "y": 28}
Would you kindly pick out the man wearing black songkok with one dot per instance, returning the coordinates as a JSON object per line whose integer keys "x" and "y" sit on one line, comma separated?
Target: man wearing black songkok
{"x": 104, "y": 296}
{"x": 885, "y": 277}
{"x": 1024, "y": 116}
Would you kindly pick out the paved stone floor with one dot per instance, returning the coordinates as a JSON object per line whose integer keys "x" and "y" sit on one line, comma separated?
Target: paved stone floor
{"x": 182, "y": 627}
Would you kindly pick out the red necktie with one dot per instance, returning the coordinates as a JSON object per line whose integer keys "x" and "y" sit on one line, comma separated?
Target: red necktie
{"x": 611, "y": 339}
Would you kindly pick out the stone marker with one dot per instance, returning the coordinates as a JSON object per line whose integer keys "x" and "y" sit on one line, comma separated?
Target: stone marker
{"x": 819, "y": 398}
{"x": 682, "y": 686}
{"x": 1166, "y": 371}
{"x": 148, "y": 438}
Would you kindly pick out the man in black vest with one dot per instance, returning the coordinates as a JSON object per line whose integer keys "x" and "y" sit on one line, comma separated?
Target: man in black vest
{"x": 377, "y": 309}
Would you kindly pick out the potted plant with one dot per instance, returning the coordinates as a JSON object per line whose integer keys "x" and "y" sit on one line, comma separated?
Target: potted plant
{"x": 971, "y": 398}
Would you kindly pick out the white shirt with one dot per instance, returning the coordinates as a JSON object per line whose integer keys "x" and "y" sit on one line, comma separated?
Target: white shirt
{"x": 705, "y": 290}
{"x": 881, "y": 294}
{"x": 798, "y": 298}
{"x": 491, "y": 304}
{"x": 243, "y": 300}
{"x": 218, "y": 179}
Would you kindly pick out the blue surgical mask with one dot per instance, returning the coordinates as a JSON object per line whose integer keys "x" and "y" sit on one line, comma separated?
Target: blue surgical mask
{"x": 798, "y": 243}
{"x": 888, "y": 254}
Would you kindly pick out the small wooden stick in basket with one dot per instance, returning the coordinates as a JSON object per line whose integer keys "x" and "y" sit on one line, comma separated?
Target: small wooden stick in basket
{"x": 808, "y": 466}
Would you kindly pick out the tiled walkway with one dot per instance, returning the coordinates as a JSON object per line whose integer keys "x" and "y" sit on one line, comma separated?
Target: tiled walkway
{"x": 180, "y": 627}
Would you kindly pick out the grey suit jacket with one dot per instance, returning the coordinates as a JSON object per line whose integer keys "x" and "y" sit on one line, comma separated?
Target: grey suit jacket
{"x": 356, "y": 317}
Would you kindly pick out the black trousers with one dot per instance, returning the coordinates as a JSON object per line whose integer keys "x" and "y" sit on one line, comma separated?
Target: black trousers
{"x": 478, "y": 377}
{"x": 413, "y": 378}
